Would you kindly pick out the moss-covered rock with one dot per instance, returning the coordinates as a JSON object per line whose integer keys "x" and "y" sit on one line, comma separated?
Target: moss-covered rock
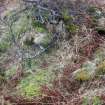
{"x": 86, "y": 72}
{"x": 82, "y": 75}
{"x": 101, "y": 69}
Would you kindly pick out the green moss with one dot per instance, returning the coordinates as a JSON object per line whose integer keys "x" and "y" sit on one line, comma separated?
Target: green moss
{"x": 72, "y": 28}
{"x": 67, "y": 18}
{"x": 39, "y": 27}
{"x": 31, "y": 86}
{"x": 31, "y": 90}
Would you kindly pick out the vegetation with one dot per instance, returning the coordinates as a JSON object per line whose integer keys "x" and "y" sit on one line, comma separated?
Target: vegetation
{"x": 101, "y": 68}
{"x": 39, "y": 27}
{"x": 3, "y": 47}
{"x": 30, "y": 86}
{"x": 52, "y": 52}
{"x": 95, "y": 101}
{"x": 82, "y": 75}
